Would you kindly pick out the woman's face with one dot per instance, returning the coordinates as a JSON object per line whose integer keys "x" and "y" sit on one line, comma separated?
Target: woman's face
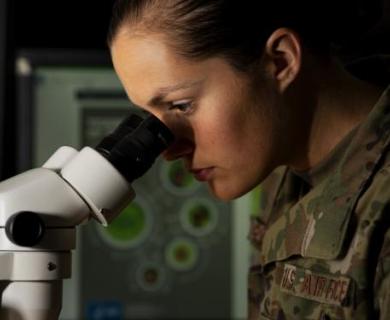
{"x": 224, "y": 123}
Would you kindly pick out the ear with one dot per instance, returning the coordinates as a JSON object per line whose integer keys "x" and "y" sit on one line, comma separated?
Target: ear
{"x": 283, "y": 54}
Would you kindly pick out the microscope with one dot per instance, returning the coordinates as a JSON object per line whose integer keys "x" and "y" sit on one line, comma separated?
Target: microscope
{"x": 40, "y": 209}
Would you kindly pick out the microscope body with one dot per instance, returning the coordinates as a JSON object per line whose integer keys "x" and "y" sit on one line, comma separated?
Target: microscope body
{"x": 39, "y": 212}
{"x": 41, "y": 208}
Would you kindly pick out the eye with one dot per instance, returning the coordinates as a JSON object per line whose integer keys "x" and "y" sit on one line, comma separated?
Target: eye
{"x": 184, "y": 106}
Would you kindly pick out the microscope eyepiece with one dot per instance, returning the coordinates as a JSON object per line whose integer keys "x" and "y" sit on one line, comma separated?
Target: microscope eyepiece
{"x": 128, "y": 125}
{"x": 133, "y": 147}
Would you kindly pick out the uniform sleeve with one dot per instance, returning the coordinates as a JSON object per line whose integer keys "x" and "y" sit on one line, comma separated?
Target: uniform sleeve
{"x": 382, "y": 280}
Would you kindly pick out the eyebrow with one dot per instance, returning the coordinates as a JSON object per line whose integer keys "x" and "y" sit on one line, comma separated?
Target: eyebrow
{"x": 163, "y": 92}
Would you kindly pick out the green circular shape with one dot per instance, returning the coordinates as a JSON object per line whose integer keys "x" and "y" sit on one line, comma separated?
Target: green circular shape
{"x": 199, "y": 216}
{"x": 178, "y": 175}
{"x": 182, "y": 255}
{"x": 176, "y": 179}
{"x": 150, "y": 277}
{"x": 129, "y": 225}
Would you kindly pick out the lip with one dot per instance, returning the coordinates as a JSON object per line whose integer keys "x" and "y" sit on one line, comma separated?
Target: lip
{"x": 202, "y": 174}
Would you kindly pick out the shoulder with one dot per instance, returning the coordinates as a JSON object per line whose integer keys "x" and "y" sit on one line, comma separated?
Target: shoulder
{"x": 375, "y": 197}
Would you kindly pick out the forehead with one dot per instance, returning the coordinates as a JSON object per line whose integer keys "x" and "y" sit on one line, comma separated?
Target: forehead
{"x": 145, "y": 63}
{"x": 138, "y": 49}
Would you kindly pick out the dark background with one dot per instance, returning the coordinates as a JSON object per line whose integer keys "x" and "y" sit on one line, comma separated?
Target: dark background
{"x": 41, "y": 24}
{"x": 60, "y": 24}
{"x": 83, "y": 24}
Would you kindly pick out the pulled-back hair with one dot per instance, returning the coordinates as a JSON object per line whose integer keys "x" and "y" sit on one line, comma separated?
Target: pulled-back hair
{"x": 235, "y": 30}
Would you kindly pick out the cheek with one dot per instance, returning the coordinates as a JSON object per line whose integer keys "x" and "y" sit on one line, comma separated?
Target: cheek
{"x": 212, "y": 133}
{"x": 218, "y": 121}
{"x": 243, "y": 139}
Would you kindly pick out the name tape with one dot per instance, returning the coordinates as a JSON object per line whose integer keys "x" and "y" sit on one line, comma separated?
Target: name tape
{"x": 320, "y": 287}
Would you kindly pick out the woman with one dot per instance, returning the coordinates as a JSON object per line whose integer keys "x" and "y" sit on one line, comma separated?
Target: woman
{"x": 253, "y": 94}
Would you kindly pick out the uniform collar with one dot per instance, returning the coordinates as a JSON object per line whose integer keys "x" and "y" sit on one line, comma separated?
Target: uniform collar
{"x": 321, "y": 171}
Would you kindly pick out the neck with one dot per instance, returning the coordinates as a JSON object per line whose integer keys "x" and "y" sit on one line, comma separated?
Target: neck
{"x": 338, "y": 103}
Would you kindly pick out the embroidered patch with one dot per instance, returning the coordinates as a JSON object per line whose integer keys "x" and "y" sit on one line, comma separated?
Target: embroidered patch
{"x": 315, "y": 286}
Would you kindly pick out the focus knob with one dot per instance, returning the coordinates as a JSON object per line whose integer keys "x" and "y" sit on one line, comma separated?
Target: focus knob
{"x": 25, "y": 228}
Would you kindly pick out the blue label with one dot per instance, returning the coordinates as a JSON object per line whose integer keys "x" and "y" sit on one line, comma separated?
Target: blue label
{"x": 105, "y": 310}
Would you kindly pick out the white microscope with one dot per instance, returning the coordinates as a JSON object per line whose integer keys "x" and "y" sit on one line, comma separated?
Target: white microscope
{"x": 40, "y": 209}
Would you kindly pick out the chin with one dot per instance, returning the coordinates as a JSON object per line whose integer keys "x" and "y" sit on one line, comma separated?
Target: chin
{"x": 224, "y": 193}
{"x": 230, "y": 189}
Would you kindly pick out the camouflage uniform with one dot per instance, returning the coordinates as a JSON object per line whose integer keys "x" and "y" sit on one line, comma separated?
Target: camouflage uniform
{"x": 322, "y": 239}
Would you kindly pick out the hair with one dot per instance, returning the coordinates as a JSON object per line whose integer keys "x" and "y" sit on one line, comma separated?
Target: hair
{"x": 235, "y": 30}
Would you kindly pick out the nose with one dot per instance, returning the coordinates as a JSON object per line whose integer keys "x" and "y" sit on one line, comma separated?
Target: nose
{"x": 180, "y": 148}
